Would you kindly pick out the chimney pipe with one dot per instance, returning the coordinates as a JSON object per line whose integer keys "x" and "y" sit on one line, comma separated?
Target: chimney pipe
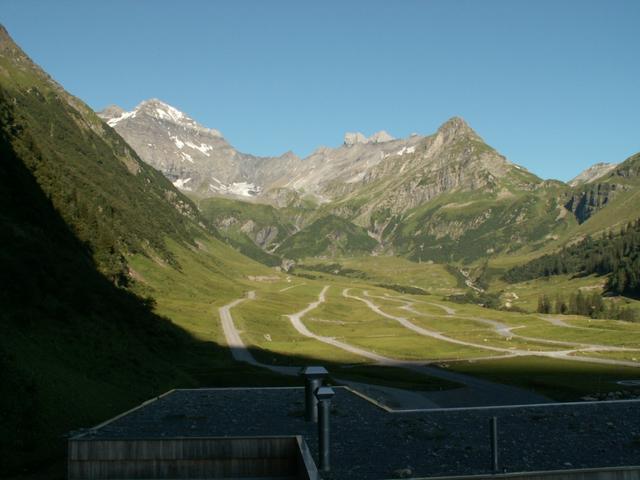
{"x": 324, "y": 395}
{"x": 314, "y": 377}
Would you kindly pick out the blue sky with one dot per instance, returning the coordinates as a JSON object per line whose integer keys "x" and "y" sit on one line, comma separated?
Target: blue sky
{"x": 553, "y": 85}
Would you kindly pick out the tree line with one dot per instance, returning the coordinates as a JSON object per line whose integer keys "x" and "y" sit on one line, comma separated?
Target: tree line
{"x": 613, "y": 254}
{"x": 590, "y": 305}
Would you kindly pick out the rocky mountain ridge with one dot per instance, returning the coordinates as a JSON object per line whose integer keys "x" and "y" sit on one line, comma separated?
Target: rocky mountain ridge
{"x": 593, "y": 173}
{"x": 195, "y": 158}
{"x": 351, "y": 138}
{"x": 200, "y": 160}
{"x": 442, "y": 197}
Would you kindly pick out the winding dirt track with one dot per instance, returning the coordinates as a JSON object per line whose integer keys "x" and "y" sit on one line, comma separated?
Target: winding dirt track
{"x": 503, "y": 330}
{"x": 296, "y": 321}
{"x": 475, "y": 392}
{"x": 239, "y": 350}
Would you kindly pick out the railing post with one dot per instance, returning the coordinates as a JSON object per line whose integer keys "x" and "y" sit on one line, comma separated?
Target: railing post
{"x": 493, "y": 425}
{"x": 313, "y": 376}
{"x": 324, "y": 396}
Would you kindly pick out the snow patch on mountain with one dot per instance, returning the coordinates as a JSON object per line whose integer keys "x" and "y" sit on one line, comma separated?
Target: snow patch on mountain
{"x": 114, "y": 121}
{"x": 242, "y": 189}
{"x": 402, "y": 151}
{"x": 203, "y": 147}
{"x": 181, "y": 183}
{"x": 179, "y": 143}
{"x": 167, "y": 112}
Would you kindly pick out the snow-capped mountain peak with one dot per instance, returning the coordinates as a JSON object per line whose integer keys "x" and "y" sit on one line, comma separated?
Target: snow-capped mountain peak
{"x": 158, "y": 110}
{"x": 193, "y": 157}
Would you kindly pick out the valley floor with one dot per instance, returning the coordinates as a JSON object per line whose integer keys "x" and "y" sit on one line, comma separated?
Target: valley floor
{"x": 473, "y": 391}
{"x": 365, "y": 333}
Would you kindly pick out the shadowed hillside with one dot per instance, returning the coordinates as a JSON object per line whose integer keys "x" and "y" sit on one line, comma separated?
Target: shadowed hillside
{"x": 76, "y": 204}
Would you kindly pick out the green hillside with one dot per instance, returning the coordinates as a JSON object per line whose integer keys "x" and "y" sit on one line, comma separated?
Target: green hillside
{"x": 74, "y": 348}
{"x": 328, "y": 236}
{"x": 78, "y": 210}
{"x": 616, "y": 255}
{"x": 92, "y": 177}
{"x": 254, "y": 229}
{"x": 471, "y": 226}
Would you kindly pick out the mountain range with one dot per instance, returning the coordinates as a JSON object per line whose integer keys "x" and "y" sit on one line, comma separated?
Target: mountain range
{"x": 447, "y": 196}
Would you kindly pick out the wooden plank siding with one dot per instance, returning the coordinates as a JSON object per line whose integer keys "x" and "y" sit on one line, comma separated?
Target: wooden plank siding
{"x": 189, "y": 457}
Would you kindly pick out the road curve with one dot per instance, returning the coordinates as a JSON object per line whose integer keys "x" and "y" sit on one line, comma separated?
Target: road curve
{"x": 476, "y": 392}
{"x": 506, "y": 331}
{"x": 296, "y": 321}
{"x": 419, "y": 330}
{"x": 239, "y": 350}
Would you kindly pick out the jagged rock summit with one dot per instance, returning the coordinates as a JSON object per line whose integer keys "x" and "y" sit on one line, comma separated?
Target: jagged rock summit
{"x": 457, "y": 127}
{"x": 351, "y": 138}
{"x": 156, "y": 109}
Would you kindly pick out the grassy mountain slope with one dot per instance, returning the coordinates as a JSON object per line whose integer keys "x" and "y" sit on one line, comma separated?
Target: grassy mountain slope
{"x": 73, "y": 347}
{"x": 453, "y": 198}
{"x": 328, "y": 236}
{"x": 608, "y": 204}
{"x": 254, "y": 229}
{"x": 93, "y": 178}
{"x": 465, "y": 227}
{"x": 79, "y": 215}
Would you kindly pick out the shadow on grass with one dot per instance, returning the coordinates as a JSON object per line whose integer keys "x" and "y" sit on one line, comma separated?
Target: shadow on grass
{"x": 560, "y": 380}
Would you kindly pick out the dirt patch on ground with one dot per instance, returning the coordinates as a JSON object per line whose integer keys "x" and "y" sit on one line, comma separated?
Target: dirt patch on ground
{"x": 264, "y": 278}
{"x": 137, "y": 276}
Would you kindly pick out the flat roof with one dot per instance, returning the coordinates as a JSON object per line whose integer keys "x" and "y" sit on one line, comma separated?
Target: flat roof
{"x": 368, "y": 442}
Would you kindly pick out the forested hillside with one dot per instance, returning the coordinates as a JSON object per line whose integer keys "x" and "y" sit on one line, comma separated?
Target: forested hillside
{"x": 613, "y": 254}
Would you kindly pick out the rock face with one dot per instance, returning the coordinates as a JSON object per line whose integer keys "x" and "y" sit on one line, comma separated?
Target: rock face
{"x": 587, "y": 200}
{"x": 592, "y": 173}
{"x": 454, "y": 159}
{"x": 193, "y": 157}
{"x": 413, "y": 170}
{"x": 380, "y": 137}
{"x": 356, "y": 138}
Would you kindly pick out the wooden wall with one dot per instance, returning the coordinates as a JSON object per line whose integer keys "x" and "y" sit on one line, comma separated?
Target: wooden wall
{"x": 182, "y": 458}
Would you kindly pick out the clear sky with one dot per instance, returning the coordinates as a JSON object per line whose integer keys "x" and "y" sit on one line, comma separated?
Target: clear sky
{"x": 554, "y": 85}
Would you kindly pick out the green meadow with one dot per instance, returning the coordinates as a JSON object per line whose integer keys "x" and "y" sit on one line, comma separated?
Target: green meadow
{"x": 466, "y": 333}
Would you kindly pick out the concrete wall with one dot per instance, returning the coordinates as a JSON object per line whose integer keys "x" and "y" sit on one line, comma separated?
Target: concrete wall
{"x": 611, "y": 473}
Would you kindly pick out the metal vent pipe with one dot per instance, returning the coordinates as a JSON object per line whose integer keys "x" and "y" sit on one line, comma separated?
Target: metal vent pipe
{"x": 314, "y": 377}
{"x": 324, "y": 396}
